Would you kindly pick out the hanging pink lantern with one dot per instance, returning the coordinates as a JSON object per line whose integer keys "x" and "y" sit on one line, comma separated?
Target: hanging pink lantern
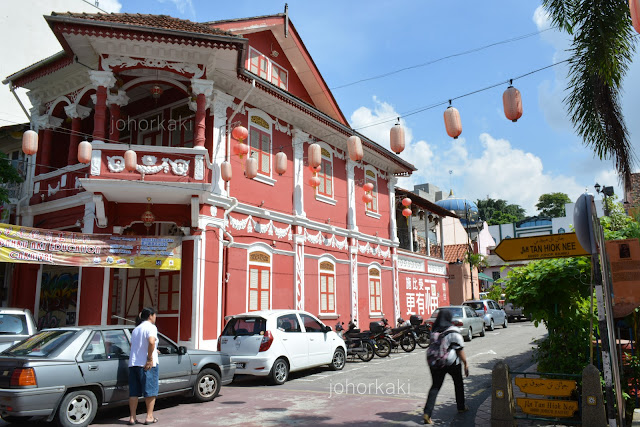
{"x": 397, "y": 138}
{"x": 251, "y": 168}
{"x": 281, "y": 163}
{"x": 84, "y": 152}
{"x": 225, "y": 171}
{"x": 130, "y": 160}
{"x": 368, "y": 186}
{"x": 148, "y": 218}
{"x": 30, "y": 142}
{"x": 241, "y": 149}
{"x": 314, "y": 181}
{"x": 315, "y": 155}
{"x": 406, "y": 212}
{"x": 452, "y": 122}
{"x": 634, "y": 9}
{"x": 354, "y": 144}
{"x": 512, "y": 102}
{"x": 406, "y": 202}
{"x": 240, "y": 133}
{"x": 367, "y": 198}
{"x": 156, "y": 91}
{"x": 316, "y": 169}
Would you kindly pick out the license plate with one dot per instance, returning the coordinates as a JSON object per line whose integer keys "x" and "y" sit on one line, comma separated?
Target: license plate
{"x": 240, "y": 365}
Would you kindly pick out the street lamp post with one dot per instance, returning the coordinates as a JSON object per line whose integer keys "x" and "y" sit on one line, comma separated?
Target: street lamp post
{"x": 607, "y": 191}
{"x": 466, "y": 215}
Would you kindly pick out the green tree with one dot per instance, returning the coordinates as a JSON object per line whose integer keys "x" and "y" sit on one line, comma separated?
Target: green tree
{"x": 552, "y": 204}
{"x": 8, "y": 175}
{"x": 498, "y": 211}
{"x": 601, "y": 51}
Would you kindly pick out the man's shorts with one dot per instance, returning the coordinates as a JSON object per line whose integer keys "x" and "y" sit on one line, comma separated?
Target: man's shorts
{"x": 143, "y": 383}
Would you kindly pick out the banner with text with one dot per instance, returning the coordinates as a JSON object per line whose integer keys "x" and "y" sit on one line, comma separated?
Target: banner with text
{"x": 41, "y": 246}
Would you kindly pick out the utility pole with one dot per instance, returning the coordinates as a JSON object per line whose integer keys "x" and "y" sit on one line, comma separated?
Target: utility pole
{"x": 469, "y": 250}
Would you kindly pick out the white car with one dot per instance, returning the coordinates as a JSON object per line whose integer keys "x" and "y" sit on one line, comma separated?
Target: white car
{"x": 275, "y": 342}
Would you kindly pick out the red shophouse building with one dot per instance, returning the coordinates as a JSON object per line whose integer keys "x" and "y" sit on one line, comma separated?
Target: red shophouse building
{"x": 172, "y": 90}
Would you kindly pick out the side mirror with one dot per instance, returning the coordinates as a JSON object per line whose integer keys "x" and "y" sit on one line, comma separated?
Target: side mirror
{"x": 182, "y": 350}
{"x": 327, "y": 329}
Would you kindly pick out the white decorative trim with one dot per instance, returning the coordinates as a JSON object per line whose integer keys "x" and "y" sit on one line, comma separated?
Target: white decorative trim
{"x": 76, "y": 111}
{"x": 282, "y": 128}
{"x": 338, "y": 154}
{"x": 368, "y": 249}
{"x": 319, "y": 239}
{"x": 436, "y": 268}
{"x": 198, "y": 171}
{"x": 241, "y": 109}
{"x": 410, "y": 264}
{"x": 96, "y": 162}
{"x": 391, "y": 186}
{"x": 128, "y": 62}
{"x": 119, "y": 99}
{"x": 351, "y": 195}
{"x": 53, "y": 190}
{"x": 36, "y": 187}
{"x": 115, "y": 163}
{"x": 179, "y": 167}
{"x": 372, "y": 214}
{"x": 102, "y": 78}
{"x": 250, "y": 224}
{"x": 299, "y": 137}
{"x": 265, "y": 179}
{"x": 325, "y": 199}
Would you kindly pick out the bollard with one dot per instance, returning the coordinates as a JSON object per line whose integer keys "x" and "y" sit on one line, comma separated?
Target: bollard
{"x": 503, "y": 406}
{"x": 593, "y": 413}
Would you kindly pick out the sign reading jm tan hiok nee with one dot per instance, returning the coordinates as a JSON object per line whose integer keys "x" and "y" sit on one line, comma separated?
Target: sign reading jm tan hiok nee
{"x": 540, "y": 247}
{"x": 547, "y": 387}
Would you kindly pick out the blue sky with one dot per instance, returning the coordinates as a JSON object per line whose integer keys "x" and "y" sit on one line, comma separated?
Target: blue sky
{"x": 353, "y": 40}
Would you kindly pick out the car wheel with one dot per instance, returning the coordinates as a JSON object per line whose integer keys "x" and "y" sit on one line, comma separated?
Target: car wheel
{"x": 339, "y": 359}
{"x": 279, "y": 372}
{"x": 78, "y": 409}
{"x": 207, "y": 385}
{"x": 491, "y": 326}
{"x": 469, "y": 336}
{"x": 504, "y": 325}
{"x": 482, "y": 332}
{"x": 15, "y": 420}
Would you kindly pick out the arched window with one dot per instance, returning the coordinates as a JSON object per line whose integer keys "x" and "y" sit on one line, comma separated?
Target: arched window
{"x": 371, "y": 176}
{"x": 259, "y": 295}
{"x": 327, "y": 287}
{"x": 375, "y": 291}
{"x": 326, "y": 174}
{"x": 260, "y": 141}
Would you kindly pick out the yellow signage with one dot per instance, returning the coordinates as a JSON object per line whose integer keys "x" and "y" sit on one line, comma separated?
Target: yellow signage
{"x": 548, "y": 408}
{"x": 546, "y": 387}
{"x": 540, "y": 247}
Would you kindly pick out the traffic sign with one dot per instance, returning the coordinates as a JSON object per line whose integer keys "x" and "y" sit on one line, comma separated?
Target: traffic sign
{"x": 540, "y": 247}
{"x": 548, "y": 408}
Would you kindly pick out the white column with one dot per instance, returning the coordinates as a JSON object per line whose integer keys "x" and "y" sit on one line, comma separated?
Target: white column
{"x": 353, "y": 276}
{"x": 221, "y": 102}
{"x": 393, "y": 228}
{"x": 396, "y": 284}
{"x": 441, "y": 238}
{"x": 351, "y": 195}
{"x": 298, "y": 140}
{"x": 298, "y": 243}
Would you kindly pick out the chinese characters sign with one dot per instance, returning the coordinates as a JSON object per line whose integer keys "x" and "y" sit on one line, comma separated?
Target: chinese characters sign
{"x": 40, "y": 246}
{"x": 421, "y": 295}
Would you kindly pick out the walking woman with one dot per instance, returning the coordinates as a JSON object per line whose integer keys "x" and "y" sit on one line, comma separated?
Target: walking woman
{"x": 453, "y": 358}
{"x": 143, "y": 366}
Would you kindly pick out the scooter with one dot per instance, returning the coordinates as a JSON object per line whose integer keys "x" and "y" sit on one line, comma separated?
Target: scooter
{"x": 421, "y": 332}
{"x": 402, "y": 336}
{"x": 358, "y": 344}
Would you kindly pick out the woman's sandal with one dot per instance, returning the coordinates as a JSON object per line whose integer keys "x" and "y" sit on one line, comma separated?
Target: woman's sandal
{"x": 155, "y": 420}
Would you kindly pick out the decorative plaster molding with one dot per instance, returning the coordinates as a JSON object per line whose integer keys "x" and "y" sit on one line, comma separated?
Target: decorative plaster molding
{"x": 179, "y": 167}
{"x": 250, "y": 224}
{"x": 286, "y": 128}
{"x": 410, "y": 264}
{"x": 76, "y": 111}
{"x": 319, "y": 239}
{"x": 128, "y": 62}
{"x": 198, "y": 171}
{"x": 436, "y": 268}
{"x": 102, "y": 78}
{"x": 53, "y": 190}
{"x": 119, "y": 99}
{"x": 368, "y": 249}
{"x": 298, "y": 140}
{"x": 221, "y": 102}
{"x": 45, "y": 121}
{"x": 96, "y": 162}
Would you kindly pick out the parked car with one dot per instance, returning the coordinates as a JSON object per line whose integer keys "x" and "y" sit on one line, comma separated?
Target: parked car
{"x": 67, "y": 373}
{"x": 274, "y": 343}
{"x": 16, "y": 324}
{"x": 464, "y": 318}
{"x": 490, "y": 311}
{"x": 514, "y": 312}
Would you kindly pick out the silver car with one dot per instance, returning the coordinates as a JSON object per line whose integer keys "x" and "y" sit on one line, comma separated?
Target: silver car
{"x": 16, "y": 324}
{"x": 464, "y": 318}
{"x": 490, "y": 311}
{"x": 67, "y": 373}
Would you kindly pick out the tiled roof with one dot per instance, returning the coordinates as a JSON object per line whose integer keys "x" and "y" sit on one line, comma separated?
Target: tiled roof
{"x": 452, "y": 253}
{"x": 148, "y": 21}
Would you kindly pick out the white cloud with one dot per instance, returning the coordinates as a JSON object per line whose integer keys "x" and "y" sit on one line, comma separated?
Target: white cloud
{"x": 184, "y": 7}
{"x": 541, "y": 18}
{"x": 111, "y": 6}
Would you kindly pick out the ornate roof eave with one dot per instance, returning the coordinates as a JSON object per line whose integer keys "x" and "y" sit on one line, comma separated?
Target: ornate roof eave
{"x": 51, "y": 60}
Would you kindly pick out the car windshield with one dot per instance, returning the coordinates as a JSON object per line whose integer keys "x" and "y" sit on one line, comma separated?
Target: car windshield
{"x": 239, "y": 326}
{"x": 474, "y": 305}
{"x": 13, "y": 324}
{"x": 41, "y": 344}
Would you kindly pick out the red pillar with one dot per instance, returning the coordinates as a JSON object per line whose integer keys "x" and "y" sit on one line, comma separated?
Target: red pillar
{"x": 114, "y": 132}
{"x": 100, "y": 114}
{"x": 23, "y": 287}
{"x": 45, "y": 157}
{"x": 200, "y": 120}
{"x": 210, "y": 314}
{"x": 186, "y": 291}
{"x": 90, "y": 304}
{"x": 74, "y": 140}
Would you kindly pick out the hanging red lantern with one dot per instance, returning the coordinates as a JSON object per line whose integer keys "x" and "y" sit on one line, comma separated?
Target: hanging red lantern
{"x": 314, "y": 181}
{"x": 634, "y": 9}
{"x": 30, "y": 142}
{"x": 130, "y": 160}
{"x": 281, "y": 163}
{"x": 367, "y": 198}
{"x": 156, "y": 91}
{"x": 406, "y": 212}
{"x": 406, "y": 202}
{"x": 240, "y": 133}
{"x": 241, "y": 149}
{"x": 225, "y": 171}
{"x": 354, "y": 144}
{"x": 512, "y": 102}
{"x": 397, "y": 138}
{"x": 251, "y": 168}
{"x": 315, "y": 155}
{"x": 452, "y": 122}
{"x": 368, "y": 186}
{"x": 84, "y": 152}
{"x": 148, "y": 217}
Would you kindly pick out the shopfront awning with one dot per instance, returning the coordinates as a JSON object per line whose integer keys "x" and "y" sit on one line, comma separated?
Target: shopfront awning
{"x": 483, "y": 276}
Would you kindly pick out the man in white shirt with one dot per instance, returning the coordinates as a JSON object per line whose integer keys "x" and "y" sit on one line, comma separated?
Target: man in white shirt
{"x": 143, "y": 366}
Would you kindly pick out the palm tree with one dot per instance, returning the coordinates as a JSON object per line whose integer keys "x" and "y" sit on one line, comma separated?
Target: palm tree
{"x": 602, "y": 48}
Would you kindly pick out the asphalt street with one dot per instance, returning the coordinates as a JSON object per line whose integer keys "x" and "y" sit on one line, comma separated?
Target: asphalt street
{"x": 389, "y": 391}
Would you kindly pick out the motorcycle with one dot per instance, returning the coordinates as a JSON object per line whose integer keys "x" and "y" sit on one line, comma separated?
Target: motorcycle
{"x": 358, "y": 344}
{"x": 402, "y": 336}
{"x": 384, "y": 342}
{"x": 421, "y": 332}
